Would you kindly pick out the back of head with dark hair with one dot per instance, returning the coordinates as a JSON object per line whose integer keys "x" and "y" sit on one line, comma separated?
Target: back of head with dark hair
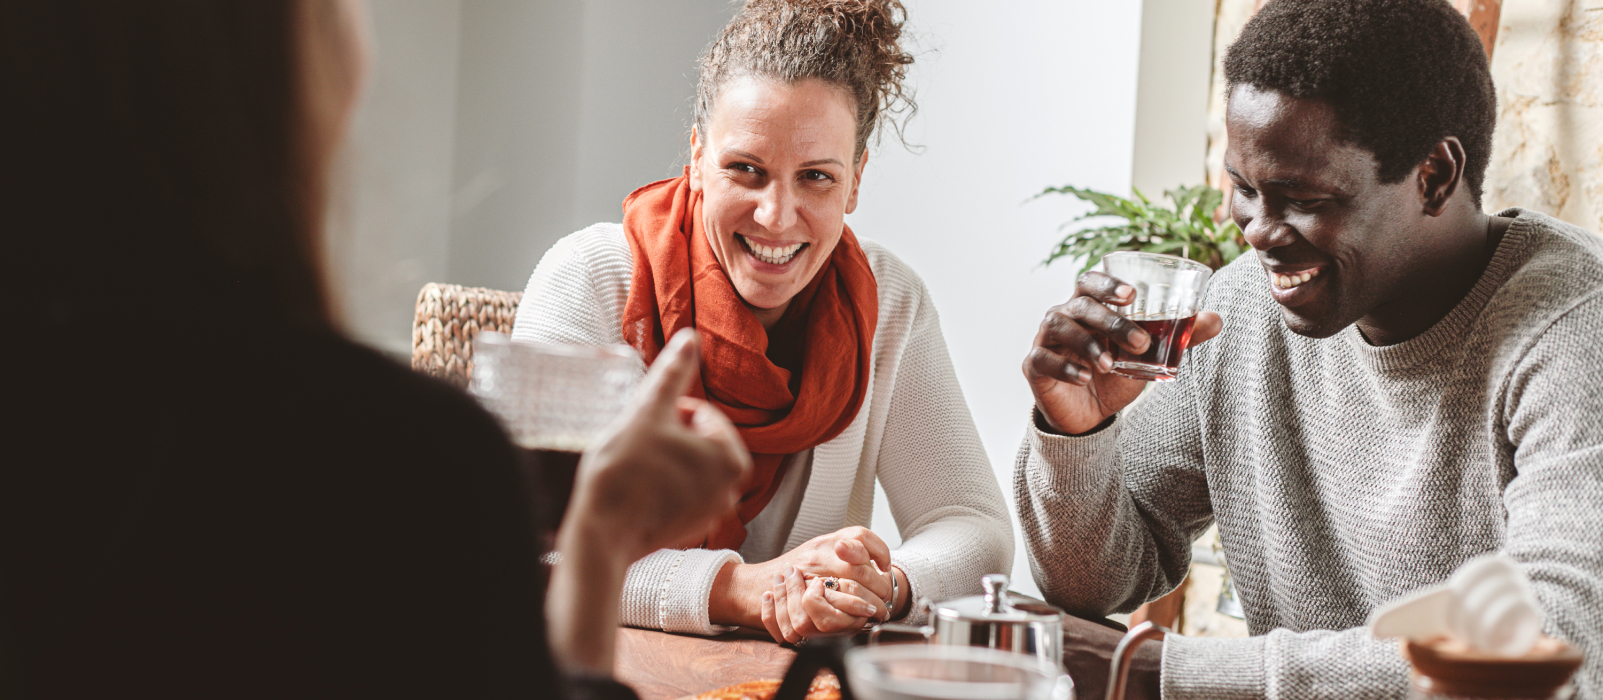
{"x": 1400, "y": 74}
{"x": 207, "y": 494}
{"x": 157, "y": 167}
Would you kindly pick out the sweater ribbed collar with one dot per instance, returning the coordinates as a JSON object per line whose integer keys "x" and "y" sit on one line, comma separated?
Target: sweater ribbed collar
{"x": 1435, "y": 343}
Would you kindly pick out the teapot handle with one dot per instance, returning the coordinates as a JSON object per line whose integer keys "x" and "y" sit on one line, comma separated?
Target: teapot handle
{"x": 926, "y": 631}
{"x": 1119, "y": 668}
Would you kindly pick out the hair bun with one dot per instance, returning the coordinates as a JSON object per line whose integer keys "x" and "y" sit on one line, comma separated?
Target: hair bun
{"x": 855, "y": 44}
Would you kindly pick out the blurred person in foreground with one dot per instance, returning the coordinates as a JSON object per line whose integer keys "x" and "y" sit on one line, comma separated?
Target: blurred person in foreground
{"x": 1395, "y": 383}
{"x": 218, "y": 495}
{"x": 825, "y": 349}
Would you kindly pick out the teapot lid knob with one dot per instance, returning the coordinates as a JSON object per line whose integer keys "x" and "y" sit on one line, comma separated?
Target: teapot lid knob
{"x": 995, "y": 586}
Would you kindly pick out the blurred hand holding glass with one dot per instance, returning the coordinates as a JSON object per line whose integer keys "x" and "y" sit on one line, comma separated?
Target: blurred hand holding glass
{"x": 1168, "y": 295}
{"x": 553, "y": 401}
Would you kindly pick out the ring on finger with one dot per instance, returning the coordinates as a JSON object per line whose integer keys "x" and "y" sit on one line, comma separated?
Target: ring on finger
{"x": 832, "y": 583}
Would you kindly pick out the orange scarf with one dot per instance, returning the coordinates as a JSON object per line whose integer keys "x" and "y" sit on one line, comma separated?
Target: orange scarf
{"x": 799, "y": 396}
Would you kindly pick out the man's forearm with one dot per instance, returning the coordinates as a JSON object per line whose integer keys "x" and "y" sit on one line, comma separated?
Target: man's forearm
{"x": 1077, "y": 517}
{"x": 1345, "y": 663}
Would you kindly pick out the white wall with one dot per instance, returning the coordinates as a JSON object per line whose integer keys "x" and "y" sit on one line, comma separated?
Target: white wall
{"x": 491, "y": 129}
{"x": 516, "y": 137}
{"x": 639, "y": 78}
{"x": 1171, "y": 119}
{"x": 391, "y": 209}
{"x": 1014, "y": 97}
{"x": 564, "y": 108}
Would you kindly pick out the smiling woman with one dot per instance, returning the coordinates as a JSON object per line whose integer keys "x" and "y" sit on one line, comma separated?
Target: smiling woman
{"x": 778, "y": 177}
{"x": 812, "y": 336}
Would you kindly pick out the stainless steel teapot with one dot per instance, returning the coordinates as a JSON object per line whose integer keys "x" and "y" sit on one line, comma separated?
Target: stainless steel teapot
{"x": 994, "y": 620}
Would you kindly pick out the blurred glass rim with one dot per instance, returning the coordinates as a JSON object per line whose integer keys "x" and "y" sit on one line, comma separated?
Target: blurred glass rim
{"x": 1163, "y": 259}
{"x": 863, "y": 665}
{"x": 594, "y": 352}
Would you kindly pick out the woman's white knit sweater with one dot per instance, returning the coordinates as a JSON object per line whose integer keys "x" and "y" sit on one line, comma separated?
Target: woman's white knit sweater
{"x": 914, "y": 433}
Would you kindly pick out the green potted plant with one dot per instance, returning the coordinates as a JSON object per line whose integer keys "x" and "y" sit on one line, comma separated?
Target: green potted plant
{"x": 1185, "y": 228}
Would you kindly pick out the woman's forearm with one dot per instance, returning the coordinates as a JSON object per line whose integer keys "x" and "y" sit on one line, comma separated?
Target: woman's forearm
{"x": 734, "y": 587}
{"x": 904, "y": 594}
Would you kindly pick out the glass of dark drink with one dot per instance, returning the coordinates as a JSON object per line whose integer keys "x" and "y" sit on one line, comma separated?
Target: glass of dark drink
{"x": 1168, "y": 295}
{"x": 553, "y": 400}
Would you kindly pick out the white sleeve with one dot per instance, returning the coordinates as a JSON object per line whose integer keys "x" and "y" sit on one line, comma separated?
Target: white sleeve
{"x": 575, "y": 295}
{"x": 669, "y": 588}
{"x": 943, "y": 493}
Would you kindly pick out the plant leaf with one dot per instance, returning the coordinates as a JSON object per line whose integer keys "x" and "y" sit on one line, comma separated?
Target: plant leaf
{"x": 1184, "y": 227}
{"x": 1182, "y": 198}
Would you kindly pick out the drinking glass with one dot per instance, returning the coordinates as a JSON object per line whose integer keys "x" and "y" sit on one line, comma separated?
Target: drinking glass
{"x": 552, "y": 400}
{"x": 945, "y": 672}
{"x": 1168, "y": 295}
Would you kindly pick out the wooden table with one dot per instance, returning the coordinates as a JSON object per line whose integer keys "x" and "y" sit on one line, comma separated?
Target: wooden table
{"x": 662, "y": 666}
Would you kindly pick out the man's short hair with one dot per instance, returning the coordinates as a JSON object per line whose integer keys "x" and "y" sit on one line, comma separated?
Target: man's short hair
{"x": 1400, "y": 74}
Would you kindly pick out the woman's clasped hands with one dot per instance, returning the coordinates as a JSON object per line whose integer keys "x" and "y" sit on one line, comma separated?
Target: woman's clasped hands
{"x": 833, "y": 584}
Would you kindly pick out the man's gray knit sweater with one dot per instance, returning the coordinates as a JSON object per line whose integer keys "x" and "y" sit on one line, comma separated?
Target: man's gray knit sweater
{"x": 1343, "y": 475}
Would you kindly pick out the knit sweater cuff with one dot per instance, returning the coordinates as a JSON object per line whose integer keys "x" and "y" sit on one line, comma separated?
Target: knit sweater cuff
{"x": 669, "y": 590}
{"x": 921, "y": 572}
{"x": 1199, "y": 667}
{"x": 1073, "y": 463}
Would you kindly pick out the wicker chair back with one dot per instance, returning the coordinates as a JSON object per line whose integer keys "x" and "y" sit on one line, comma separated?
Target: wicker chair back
{"x": 447, "y": 320}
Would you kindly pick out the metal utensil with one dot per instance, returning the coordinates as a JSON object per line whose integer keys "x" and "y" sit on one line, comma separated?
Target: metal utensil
{"x": 1119, "y": 668}
{"x": 993, "y": 620}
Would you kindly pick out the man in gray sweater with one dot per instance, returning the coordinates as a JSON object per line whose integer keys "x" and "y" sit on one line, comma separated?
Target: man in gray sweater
{"x": 1392, "y": 381}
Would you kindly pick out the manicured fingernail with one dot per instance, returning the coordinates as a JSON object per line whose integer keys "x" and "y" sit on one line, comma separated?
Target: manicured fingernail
{"x": 1124, "y": 290}
{"x": 866, "y": 610}
{"x": 1085, "y": 376}
{"x": 789, "y": 570}
{"x": 1105, "y": 361}
{"x": 778, "y": 580}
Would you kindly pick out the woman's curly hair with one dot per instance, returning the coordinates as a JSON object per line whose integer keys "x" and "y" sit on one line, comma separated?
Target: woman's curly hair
{"x": 851, "y": 44}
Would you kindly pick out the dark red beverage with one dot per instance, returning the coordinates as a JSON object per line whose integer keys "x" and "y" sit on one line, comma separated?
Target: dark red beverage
{"x": 549, "y": 474}
{"x": 1161, "y": 361}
